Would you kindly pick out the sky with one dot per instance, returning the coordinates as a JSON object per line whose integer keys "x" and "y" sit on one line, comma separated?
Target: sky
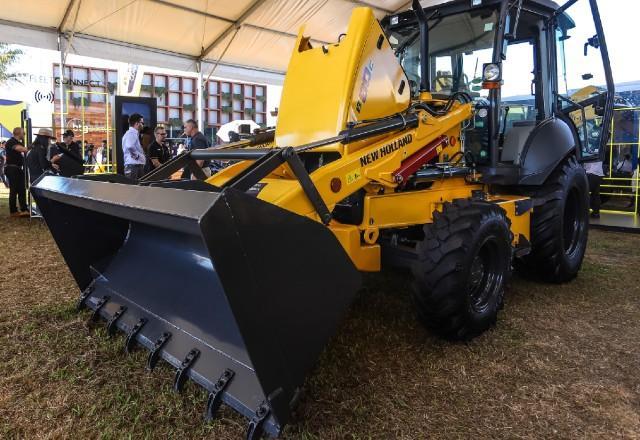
{"x": 622, "y": 29}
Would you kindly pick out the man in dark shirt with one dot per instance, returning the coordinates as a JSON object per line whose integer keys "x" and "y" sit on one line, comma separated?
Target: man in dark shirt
{"x": 159, "y": 152}
{"x": 67, "y": 155}
{"x": 69, "y": 144}
{"x": 197, "y": 141}
{"x": 15, "y": 172}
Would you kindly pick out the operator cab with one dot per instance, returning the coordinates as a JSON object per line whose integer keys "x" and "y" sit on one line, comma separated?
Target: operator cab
{"x": 537, "y": 72}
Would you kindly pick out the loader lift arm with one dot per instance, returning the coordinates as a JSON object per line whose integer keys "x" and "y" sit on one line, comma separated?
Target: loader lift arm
{"x": 266, "y": 160}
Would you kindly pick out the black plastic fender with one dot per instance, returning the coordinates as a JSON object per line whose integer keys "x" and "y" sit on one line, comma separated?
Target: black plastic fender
{"x": 549, "y": 143}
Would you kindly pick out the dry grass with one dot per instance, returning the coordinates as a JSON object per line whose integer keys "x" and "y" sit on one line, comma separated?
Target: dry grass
{"x": 563, "y": 362}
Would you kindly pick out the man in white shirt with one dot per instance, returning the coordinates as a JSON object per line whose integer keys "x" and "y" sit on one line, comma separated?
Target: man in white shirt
{"x": 595, "y": 174}
{"x": 134, "y": 158}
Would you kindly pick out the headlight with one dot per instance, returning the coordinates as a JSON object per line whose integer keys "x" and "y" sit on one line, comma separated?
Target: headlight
{"x": 491, "y": 72}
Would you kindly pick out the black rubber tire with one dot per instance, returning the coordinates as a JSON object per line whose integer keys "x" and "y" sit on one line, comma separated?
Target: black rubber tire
{"x": 559, "y": 224}
{"x": 454, "y": 297}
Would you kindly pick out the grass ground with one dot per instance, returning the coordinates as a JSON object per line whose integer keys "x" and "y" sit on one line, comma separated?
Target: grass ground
{"x": 563, "y": 362}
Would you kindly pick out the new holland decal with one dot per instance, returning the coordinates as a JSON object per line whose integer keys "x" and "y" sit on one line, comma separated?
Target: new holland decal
{"x": 385, "y": 150}
{"x": 364, "y": 87}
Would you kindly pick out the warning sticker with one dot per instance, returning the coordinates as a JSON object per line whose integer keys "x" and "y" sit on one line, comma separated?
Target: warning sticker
{"x": 353, "y": 176}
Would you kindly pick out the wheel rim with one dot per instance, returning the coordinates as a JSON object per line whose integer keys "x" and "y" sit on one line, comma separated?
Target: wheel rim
{"x": 573, "y": 222}
{"x": 486, "y": 274}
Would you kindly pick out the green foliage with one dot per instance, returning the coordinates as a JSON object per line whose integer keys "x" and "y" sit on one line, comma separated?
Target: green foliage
{"x": 175, "y": 122}
{"x": 8, "y": 56}
{"x": 80, "y": 101}
{"x": 154, "y": 91}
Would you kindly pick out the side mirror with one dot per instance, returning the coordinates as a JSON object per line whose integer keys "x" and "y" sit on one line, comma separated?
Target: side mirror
{"x": 593, "y": 42}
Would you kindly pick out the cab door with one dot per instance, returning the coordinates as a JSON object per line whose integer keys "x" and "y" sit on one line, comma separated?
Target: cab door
{"x": 584, "y": 87}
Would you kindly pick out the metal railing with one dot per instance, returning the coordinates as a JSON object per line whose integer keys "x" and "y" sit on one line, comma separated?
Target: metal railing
{"x": 619, "y": 190}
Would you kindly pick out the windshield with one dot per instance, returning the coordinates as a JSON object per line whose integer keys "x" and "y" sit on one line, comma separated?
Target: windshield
{"x": 459, "y": 45}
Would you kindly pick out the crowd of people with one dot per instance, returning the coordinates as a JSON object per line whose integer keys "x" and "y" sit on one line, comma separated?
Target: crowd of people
{"x": 144, "y": 149}
{"x": 20, "y": 162}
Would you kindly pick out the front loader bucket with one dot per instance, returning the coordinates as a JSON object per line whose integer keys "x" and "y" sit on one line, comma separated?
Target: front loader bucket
{"x": 238, "y": 294}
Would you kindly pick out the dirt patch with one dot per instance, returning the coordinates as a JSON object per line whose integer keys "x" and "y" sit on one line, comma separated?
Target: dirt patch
{"x": 563, "y": 362}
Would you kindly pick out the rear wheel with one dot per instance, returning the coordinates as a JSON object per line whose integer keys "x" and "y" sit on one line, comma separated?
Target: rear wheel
{"x": 560, "y": 224}
{"x": 463, "y": 265}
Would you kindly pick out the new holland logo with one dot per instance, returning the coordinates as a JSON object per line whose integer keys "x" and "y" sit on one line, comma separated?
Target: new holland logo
{"x": 385, "y": 150}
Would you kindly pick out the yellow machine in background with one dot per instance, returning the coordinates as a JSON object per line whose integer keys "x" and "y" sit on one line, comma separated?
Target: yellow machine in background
{"x": 369, "y": 166}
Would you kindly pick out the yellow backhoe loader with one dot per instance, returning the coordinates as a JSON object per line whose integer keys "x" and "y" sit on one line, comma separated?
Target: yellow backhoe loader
{"x": 370, "y": 166}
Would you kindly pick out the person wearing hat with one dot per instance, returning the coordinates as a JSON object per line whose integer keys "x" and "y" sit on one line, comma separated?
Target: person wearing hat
{"x": 37, "y": 162}
{"x": 67, "y": 155}
{"x": 69, "y": 144}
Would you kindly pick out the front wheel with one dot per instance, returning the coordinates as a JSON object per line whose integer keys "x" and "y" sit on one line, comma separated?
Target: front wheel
{"x": 463, "y": 264}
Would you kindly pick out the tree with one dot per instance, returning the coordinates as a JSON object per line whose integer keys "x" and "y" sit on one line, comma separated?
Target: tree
{"x": 8, "y": 56}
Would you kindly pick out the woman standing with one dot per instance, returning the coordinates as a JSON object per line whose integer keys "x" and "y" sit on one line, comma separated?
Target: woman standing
{"x": 37, "y": 162}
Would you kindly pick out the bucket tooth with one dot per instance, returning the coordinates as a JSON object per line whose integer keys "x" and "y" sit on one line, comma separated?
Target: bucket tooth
{"x": 131, "y": 335}
{"x": 99, "y": 305}
{"x": 256, "y": 425}
{"x": 183, "y": 371}
{"x": 83, "y": 297}
{"x": 112, "y": 323}
{"x": 215, "y": 397}
{"x": 154, "y": 354}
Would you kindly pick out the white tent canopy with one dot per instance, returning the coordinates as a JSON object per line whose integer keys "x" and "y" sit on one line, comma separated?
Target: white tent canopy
{"x": 181, "y": 34}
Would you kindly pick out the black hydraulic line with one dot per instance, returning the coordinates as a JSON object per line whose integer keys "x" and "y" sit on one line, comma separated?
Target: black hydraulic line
{"x": 460, "y": 96}
{"x": 357, "y": 133}
{"x": 229, "y": 154}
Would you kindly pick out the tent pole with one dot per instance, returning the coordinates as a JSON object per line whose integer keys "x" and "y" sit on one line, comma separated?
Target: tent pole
{"x": 199, "y": 112}
{"x": 61, "y": 78}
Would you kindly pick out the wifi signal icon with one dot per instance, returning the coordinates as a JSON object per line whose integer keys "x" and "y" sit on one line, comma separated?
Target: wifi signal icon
{"x": 39, "y": 96}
